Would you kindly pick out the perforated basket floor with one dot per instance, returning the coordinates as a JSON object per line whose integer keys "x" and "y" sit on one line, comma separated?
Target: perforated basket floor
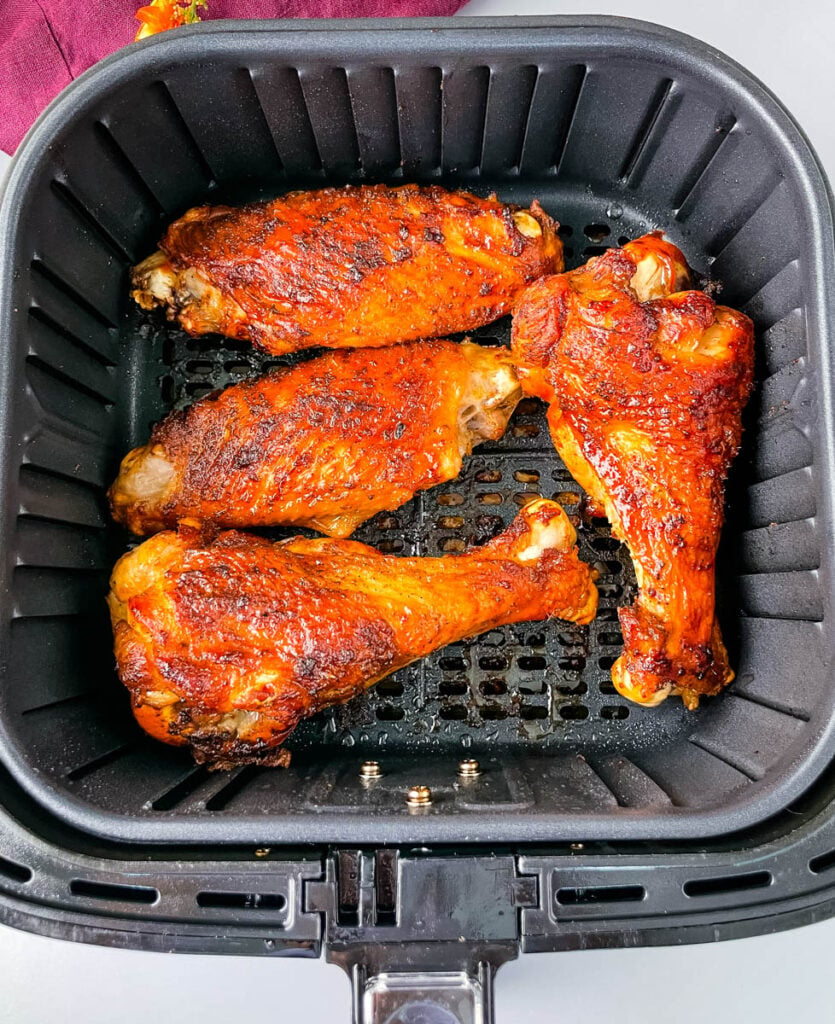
{"x": 615, "y": 134}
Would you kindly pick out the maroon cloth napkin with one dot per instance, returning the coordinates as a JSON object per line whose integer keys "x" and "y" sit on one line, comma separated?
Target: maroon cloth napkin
{"x": 45, "y": 45}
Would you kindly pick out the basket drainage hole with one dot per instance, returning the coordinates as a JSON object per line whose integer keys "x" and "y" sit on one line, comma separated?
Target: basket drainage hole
{"x": 614, "y": 712}
{"x": 565, "y": 231}
{"x": 390, "y": 688}
{"x": 387, "y": 522}
{"x": 597, "y": 232}
{"x": 567, "y": 498}
{"x": 535, "y": 712}
{"x": 453, "y": 665}
{"x": 16, "y": 872}
{"x": 605, "y": 544}
{"x": 453, "y": 713}
{"x": 528, "y": 407}
{"x": 489, "y": 476}
{"x": 452, "y": 687}
{"x": 493, "y": 687}
{"x": 454, "y": 544}
{"x": 451, "y": 499}
{"x": 594, "y": 250}
{"x": 576, "y": 663}
{"x": 531, "y": 663}
{"x": 493, "y": 663}
{"x": 389, "y": 547}
{"x": 242, "y": 900}
{"x": 237, "y": 366}
{"x": 610, "y": 639}
{"x": 493, "y": 712}
{"x": 389, "y": 713}
{"x": 115, "y": 893}
{"x": 730, "y": 883}
{"x": 525, "y": 498}
{"x": 574, "y": 712}
{"x": 201, "y": 367}
{"x": 569, "y": 897}
{"x": 569, "y": 688}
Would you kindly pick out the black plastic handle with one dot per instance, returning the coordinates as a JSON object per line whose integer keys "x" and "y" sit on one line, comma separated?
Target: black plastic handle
{"x": 421, "y": 937}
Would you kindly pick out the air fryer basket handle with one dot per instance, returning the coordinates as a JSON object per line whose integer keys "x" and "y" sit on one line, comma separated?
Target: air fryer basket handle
{"x": 421, "y": 935}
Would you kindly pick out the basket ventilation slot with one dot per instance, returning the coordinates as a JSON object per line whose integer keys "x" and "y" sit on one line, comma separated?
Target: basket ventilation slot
{"x": 112, "y": 892}
{"x": 242, "y": 900}
{"x": 727, "y": 884}
{"x": 569, "y": 897}
{"x": 14, "y": 871}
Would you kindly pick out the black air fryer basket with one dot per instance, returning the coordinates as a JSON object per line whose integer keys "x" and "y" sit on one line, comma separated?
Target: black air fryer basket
{"x": 592, "y": 821}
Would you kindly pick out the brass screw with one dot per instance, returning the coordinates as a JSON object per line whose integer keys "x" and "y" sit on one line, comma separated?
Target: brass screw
{"x": 469, "y": 768}
{"x": 576, "y": 846}
{"x": 262, "y": 851}
{"x": 370, "y": 770}
{"x": 418, "y": 796}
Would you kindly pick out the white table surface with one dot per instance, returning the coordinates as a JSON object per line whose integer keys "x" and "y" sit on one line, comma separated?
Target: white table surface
{"x": 778, "y": 978}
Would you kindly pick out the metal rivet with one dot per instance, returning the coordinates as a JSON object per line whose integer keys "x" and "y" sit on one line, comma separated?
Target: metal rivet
{"x": 370, "y": 770}
{"x": 262, "y": 851}
{"x": 418, "y": 796}
{"x": 576, "y": 846}
{"x": 469, "y": 768}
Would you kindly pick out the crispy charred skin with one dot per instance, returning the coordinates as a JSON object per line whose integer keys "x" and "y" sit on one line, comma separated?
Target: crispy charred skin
{"x": 226, "y": 644}
{"x": 326, "y": 444}
{"x": 646, "y": 385}
{"x": 347, "y": 267}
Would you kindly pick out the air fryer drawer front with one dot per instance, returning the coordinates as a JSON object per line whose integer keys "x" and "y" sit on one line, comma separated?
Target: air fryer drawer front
{"x": 616, "y": 128}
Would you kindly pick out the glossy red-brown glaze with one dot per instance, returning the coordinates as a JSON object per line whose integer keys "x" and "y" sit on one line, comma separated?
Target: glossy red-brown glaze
{"x": 227, "y": 644}
{"x": 325, "y": 444}
{"x": 344, "y": 267}
{"x": 645, "y": 410}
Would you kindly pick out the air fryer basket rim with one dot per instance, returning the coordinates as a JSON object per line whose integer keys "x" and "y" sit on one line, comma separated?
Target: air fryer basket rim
{"x": 529, "y": 34}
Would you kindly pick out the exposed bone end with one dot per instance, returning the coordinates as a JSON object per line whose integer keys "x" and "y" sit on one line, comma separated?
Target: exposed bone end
{"x": 154, "y": 281}
{"x": 145, "y": 480}
{"x": 527, "y": 225}
{"x": 492, "y": 393}
{"x": 629, "y": 688}
{"x": 548, "y": 529}
{"x": 660, "y": 268}
{"x": 187, "y": 295}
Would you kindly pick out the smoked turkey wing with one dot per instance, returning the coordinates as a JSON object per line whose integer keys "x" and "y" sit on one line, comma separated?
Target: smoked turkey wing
{"x": 326, "y": 444}
{"x": 226, "y": 645}
{"x": 646, "y": 386}
{"x": 345, "y": 267}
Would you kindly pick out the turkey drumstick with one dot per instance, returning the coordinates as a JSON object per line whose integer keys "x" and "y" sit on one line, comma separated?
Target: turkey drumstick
{"x": 326, "y": 444}
{"x": 225, "y": 645}
{"x": 346, "y": 267}
{"x": 646, "y": 385}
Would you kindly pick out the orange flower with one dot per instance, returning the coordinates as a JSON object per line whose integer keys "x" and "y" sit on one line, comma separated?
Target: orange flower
{"x": 160, "y": 15}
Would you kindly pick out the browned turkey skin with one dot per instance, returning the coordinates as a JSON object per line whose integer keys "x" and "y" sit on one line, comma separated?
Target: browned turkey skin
{"x": 326, "y": 444}
{"x": 347, "y": 267}
{"x": 646, "y": 385}
{"x": 226, "y": 644}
